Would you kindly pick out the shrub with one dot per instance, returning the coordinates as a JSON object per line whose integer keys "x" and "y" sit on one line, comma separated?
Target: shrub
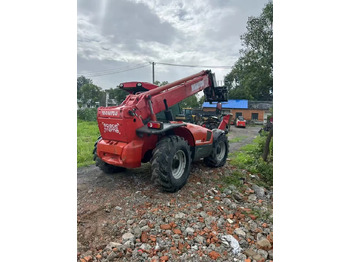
{"x": 87, "y": 114}
{"x": 250, "y": 159}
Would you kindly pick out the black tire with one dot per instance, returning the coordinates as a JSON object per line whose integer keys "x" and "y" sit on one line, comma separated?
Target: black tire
{"x": 171, "y": 163}
{"x": 106, "y": 168}
{"x": 219, "y": 154}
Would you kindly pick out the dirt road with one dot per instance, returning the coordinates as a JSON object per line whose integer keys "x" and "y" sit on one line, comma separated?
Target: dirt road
{"x": 125, "y": 217}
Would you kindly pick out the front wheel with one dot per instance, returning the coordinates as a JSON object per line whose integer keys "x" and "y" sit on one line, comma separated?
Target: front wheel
{"x": 171, "y": 163}
{"x": 219, "y": 154}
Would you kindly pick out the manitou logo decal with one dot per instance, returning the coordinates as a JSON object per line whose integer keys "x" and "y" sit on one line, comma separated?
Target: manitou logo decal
{"x": 109, "y": 113}
{"x": 111, "y": 128}
{"x": 197, "y": 85}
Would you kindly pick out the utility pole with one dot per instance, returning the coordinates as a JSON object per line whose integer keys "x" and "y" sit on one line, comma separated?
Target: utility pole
{"x": 107, "y": 97}
{"x": 153, "y": 72}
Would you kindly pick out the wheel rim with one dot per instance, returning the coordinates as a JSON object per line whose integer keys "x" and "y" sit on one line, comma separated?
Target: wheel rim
{"x": 178, "y": 164}
{"x": 220, "y": 151}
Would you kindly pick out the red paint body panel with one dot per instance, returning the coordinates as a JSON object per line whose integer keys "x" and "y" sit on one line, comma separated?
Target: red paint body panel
{"x": 240, "y": 123}
{"x": 120, "y": 145}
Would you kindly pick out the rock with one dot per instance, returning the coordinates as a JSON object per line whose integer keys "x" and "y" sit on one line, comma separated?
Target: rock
{"x": 112, "y": 245}
{"x": 250, "y": 252}
{"x": 259, "y": 191}
{"x": 199, "y": 239}
{"x": 226, "y": 201}
{"x": 252, "y": 225}
{"x": 137, "y": 232}
{"x": 145, "y": 247}
{"x": 227, "y": 191}
{"x": 237, "y": 196}
{"x": 118, "y": 208}
{"x": 232, "y": 188}
{"x": 128, "y": 236}
{"x": 142, "y": 223}
{"x": 252, "y": 198}
{"x": 155, "y": 259}
{"x": 243, "y": 243}
{"x": 263, "y": 253}
{"x": 199, "y": 206}
{"x": 111, "y": 256}
{"x": 257, "y": 257}
{"x": 189, "y": 231}
{"x": 221, "y": 222}
{"x": 180, "y": 215}
{"x": 233, "y": 206}
{"x": 145, "y": 228}
{"x": 130, "y": 221}
{"x": 230, "y": 221}
{"x": 203, "y": 214}
{"x": 208, "y": 220}
{"x": 128, "y": 244}
{"x": 239, "y": 232}
{"x": 270, "y": 252}
{"x": 263, "y": 244}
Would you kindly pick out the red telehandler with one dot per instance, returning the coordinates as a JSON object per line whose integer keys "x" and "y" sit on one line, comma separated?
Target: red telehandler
{"x": 131, "y": 133}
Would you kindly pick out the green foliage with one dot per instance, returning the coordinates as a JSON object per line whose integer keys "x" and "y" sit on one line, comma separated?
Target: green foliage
{"x": 87, "y": 134}
{"x": 158, "y": 83}
{"x": 82, "y": 80}
{"x": 87, "y": 114}
{"x": 249, "y": 158}
{"x": 91, "y": 94}
{"x": 201, "y": 101}
{"x": 190, "y": 102}
{"x": 234, "y": 179}
{"x": 118, "y": 94}
{"x": 252, "y": 75}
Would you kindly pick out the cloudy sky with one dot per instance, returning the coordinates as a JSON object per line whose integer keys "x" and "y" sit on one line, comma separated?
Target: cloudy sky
{"x": 117, "y": 39}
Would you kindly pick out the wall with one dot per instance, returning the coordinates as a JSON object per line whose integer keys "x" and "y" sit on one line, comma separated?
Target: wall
{"x": 247, "y": 113}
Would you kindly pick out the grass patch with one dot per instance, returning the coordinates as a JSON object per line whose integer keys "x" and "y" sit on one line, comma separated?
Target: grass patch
{"x": 249, "y": 158}
{"x": 87, "y": 134}
{"x": 234, "y": 179}
{"x": 237, "y": 139}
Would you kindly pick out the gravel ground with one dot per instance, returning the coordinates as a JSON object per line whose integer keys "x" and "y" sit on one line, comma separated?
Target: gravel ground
{"x": 125, "y": 217}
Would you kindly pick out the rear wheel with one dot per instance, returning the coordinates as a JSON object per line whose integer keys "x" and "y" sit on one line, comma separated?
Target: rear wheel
{"x": 219, "y": 154}
{"x": 171, "y": 163}
{"x": 106, "y": 168}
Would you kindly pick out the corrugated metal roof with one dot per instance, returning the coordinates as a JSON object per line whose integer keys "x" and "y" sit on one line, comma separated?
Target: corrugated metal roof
{"x": 232, "y": 103}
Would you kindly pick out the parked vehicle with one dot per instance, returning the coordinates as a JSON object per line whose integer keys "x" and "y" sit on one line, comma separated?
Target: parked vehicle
{"x": 132, "y": 132}
{"x": 240, "y": 122}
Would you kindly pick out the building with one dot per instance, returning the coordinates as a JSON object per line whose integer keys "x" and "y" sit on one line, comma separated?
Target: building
{"x": 256, "y": 111}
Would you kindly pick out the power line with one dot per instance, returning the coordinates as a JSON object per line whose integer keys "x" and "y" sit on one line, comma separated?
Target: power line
{"x": 169, "y": 64}
{"x": 114, "y": 69}
{"x": 115, "y": 72}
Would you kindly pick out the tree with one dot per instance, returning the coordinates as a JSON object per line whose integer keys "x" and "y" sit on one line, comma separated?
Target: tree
{"x": 191, "y": 102}
{"x": 118, "y": 94}
{"x": 90, "y": 94}
{"x": 252, "y": 75}
{"x": 158, "y": 83}
{"x": 82, "y": 80}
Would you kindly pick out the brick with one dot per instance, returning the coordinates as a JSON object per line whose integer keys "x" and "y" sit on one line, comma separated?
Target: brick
{"x": 165, "y": 226}
{"x": 214, "y": 255}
